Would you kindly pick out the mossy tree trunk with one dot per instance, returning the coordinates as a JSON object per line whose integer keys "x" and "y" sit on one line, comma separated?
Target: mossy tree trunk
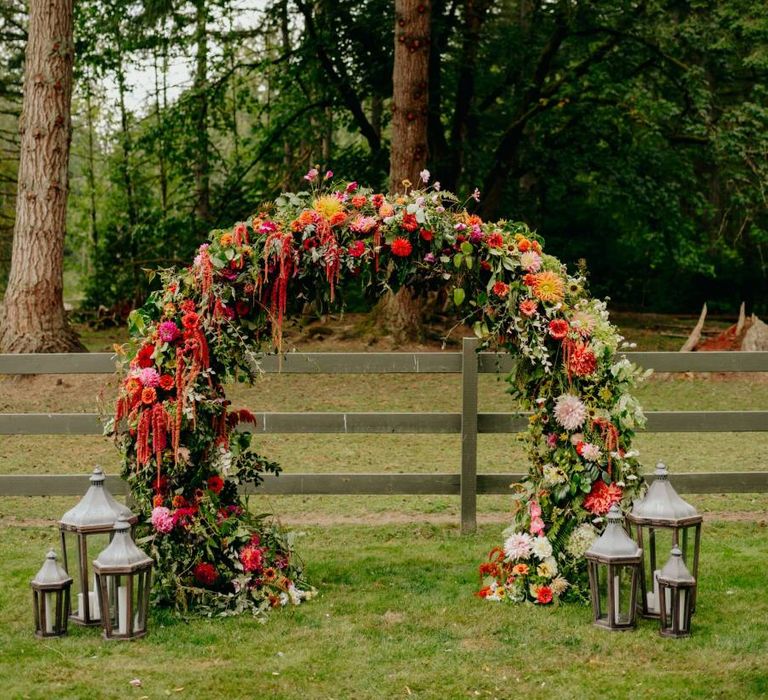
{"x": 32, "y": 315}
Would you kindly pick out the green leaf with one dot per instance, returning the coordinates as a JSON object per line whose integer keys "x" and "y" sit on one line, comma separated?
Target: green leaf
{"x": 458, "y": 296}
{"x": 467, "y": 248}
{"x": 457, "y": 260}
{"x": 470, "y": 261}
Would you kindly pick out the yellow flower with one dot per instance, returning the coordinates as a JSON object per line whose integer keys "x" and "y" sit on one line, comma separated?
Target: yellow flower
{"x": 548, "y": 286}
{"x": 406, "y": 183}
{"x": 226, "y": 239}
{"x": 327, "y": 206}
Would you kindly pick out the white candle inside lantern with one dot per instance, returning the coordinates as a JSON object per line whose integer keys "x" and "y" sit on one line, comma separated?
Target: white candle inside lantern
{"x": 93, "y": 601}
{"x": 122, "y": 610}
{"x": 50, "y": 611}
{"x": 80, "y": 606}
{"x": 655, "y": 597}
{"x": 615, "y": 598}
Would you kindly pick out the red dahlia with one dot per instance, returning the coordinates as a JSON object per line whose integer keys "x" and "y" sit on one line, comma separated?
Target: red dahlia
{"x": 144, "y": 356}
{"x": 501, "y": 289}
{"x": 401, "y": 247}
{"x": 544, "y": 595}
{"x": 251, "y": 558}
{"x": 356, "y": 249}
{"x": 602, "y": 496}
{"x": 582, "y": 361}
{"x": 558, "y": 328}
{"x": 215, "y": 484}
{"x": 409, "y": 222}
{"x": 205, "y": 573}
{"x": 494, "y": 240}
{"x": 190, "y": 320}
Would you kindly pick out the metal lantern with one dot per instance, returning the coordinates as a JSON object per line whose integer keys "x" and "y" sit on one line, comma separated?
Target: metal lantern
{"x": 50, "y": 598}
{"x": 89, "y": 524}
{"x": 677, "y": 588}
{"x": 123, "y": 576}
{"x": 663, "y": 520}
{"x": 614, "y": 561}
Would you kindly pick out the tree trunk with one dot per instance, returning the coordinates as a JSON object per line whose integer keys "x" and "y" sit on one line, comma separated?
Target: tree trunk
{"x": 201, "y": 165}
{"x": 33, "y": 318}
{"x": 400, "y": 315}
{"x": 409, "y": 92}
{"x": 159, "y": 112}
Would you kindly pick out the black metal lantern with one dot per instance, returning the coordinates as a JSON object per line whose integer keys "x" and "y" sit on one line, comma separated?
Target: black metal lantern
{"x": 614, "y": 568}
{"x": 123, "y": 576}
{"x": 89, "y": 524}
{"x": 663, "y": 520}
{"x": 50, "y": 598}
{"x": 677, "y": 588}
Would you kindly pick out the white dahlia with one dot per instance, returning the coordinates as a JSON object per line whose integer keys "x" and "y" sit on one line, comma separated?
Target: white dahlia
{"x": 542, "y": 548}
{"x": 570, "y": 411}
{"x": 518, "y": 546}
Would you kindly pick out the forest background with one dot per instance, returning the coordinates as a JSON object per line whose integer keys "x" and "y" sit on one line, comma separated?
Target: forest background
{"x": 631, "y": 134}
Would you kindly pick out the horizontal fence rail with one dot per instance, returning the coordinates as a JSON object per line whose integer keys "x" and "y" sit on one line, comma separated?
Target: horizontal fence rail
{"x": 394, "y": 423}
{"x": 449, "y": 362}
{"x": 374, "y": 484}
{"x": 468, "y": 423}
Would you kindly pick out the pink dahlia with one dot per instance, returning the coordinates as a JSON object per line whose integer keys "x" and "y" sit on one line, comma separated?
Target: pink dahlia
{"x": 518, "y": 546}
{"x": 588, "y": 451}
{"x": 570, "y": 411}
{"x": 149, "y": 377}
{"x": 162, "y": 520}
{"x": 529, "y": 307}
{"x": 168, "y": 331}
{"x": 363, "y": 224}
{"x": 530, "y": 261}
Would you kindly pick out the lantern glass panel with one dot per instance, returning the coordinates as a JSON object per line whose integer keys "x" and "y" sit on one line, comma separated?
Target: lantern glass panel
{"x": 125, "y": 598}
{"x": 675, "y": 618}
{"x": 656, "y": 543}
{"x": 78, "y": 548}
{"x": 615, "y": 589}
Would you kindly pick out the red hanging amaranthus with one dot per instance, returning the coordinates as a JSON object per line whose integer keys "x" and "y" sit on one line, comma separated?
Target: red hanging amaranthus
{"x": 143, "y": 450}
{"x": 332, "y": 255}
{"x": 279, "y": 245}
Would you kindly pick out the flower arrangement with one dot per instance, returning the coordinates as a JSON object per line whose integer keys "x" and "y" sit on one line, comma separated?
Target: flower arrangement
{"x": 184, "y": 456}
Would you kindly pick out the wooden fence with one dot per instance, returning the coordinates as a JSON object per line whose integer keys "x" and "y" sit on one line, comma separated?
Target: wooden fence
{"x": 466, "y": 482}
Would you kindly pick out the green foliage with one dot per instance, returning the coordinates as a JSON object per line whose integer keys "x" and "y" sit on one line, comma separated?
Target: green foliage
{"x": 629, "y": 134}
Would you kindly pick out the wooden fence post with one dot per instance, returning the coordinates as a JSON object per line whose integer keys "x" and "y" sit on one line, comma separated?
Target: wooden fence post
{"x": 469, "y": 366}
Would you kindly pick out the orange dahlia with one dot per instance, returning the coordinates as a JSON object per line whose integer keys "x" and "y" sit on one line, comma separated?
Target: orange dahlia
{"x": 548, "y": 286}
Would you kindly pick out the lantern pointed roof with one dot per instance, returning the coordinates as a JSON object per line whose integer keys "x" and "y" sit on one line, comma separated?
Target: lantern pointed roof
{"x": 663, "y": 503}
{"x": 614, "y": 543}
{"x": 675, "y": 570}
{"x": 51, "y": 573}
{"x": 97, "y": 509}
{"x": 122, "y": 552}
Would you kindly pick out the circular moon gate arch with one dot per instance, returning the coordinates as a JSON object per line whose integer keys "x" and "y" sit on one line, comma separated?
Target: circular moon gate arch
{"x": 184, "y": 455}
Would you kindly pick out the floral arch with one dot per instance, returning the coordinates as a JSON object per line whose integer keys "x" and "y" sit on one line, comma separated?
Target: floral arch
{"x": 184, "y": 457}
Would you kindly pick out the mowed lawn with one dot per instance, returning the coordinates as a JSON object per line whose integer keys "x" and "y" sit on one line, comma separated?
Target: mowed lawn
{"x": 396, "y": 618}
{"x": 396, "y": 615}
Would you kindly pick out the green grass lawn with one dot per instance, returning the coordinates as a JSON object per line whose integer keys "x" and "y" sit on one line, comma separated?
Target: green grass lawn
{"x": 396, "y": 616}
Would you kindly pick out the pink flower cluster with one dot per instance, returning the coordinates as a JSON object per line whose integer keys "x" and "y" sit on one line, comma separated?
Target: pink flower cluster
{"x": 537, "y": 524}
{"x": 162, "y": 519}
